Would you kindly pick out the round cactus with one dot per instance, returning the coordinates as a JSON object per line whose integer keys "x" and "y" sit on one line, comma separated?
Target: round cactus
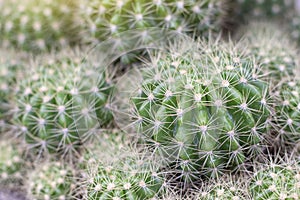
{"x": 130, "y": 175}
{"x": 204, "y": 111}
{"x": 11, "y": 163}
{"x": 276, "y": 181}
{"x": 37, "y": 25}
{"x": 62, "y": 104}
{"x": 273, "y": 50}
{"x": 51, "y": 180}
{"x": 265, "y": 8}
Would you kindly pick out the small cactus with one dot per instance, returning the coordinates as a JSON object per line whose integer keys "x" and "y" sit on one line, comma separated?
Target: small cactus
{"x": 205, "y": 111}
{"x": 51, "y": 180}
{"x": 37, "y": 25}
{"x": 276, "y": 181}
{"x": 62, "y": 103}
{"x": 131, "y": 175}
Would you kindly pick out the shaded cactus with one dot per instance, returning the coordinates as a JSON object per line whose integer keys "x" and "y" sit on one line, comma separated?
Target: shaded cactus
{"x": 61, "y": 104}
{"x": 37, "y": 25}
{"x": 51, "y": 180}
{"x": 113, "y": 170}
{"x": 205, "y": 111}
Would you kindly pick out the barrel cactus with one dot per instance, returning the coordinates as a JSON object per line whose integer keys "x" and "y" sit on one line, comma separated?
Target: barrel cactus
{"x": 51, "y": 180}
{"x": 37, "y": 25}
{"x": 12, "y": 165}
{"x": 276, "y": 181}
{"x": 205, "y": 111}
{"x": 265, "y": 8}
{"x": 131, "y": 175}
{"x": 62, "y": 104}
{"x": 274, "y": 52}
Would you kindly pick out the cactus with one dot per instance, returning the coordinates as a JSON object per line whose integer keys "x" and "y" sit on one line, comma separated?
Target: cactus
{"x": 12, "y": 165}
{"x": 37, "y": 25}
{"x": 10, "y": 71}
{"x": 108, "y": 19}
{"x": 131, "y": 175}
{"x": 264, "y": 8}
{"x": 51, "y": 180}
{"x": 276, "y": 181}
{"x": 295, "y": 27}
{"x": 205, "y": 111}
{"x": 287, "y": 109}
{"x": 62, "y": 103}
{"x": 228, "y": 187}
{"x": 274, "y": 52}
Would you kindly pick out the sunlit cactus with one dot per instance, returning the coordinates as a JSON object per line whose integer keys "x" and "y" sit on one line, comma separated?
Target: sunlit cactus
{"x": 201, "y": 106}
{"x": 62, "y": 103}
{"x": 37, "y": 25}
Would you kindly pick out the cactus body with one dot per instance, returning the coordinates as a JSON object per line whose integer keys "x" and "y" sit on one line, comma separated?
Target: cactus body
{"x": 62, "y": 104}
{"x": 204, "y": 111}
{"x": 37, "y": 25}
{"x": 51, "y": 180}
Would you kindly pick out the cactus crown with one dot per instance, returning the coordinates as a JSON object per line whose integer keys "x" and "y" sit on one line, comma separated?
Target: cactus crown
{"x": 204, "y": 110}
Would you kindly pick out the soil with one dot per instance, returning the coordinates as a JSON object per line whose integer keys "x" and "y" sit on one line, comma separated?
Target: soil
{"x": 11, "y": 195}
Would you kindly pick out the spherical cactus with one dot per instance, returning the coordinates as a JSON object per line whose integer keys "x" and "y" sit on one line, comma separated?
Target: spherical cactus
{"x": 51, "y": 180}
{"x": 37, "y": 25}
{"x": 202, "y": 107}
{"x": 276, "y": 181}
{"x": 62, "y": 104}
{"x": 265, "y": 8}
{"x": 227, "y": 187}
{"x": 12, "y": 165}
{"x": 273, "y": 50}
{"x": 131, "y": 175}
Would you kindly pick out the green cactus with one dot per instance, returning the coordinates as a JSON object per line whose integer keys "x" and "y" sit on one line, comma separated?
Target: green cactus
{"x": 265, "y": 8}
{"x": 274, "y": 52}
{"x": 114, "y": 170}
{"x": 108, "y": 19}
{"x": 228, "y": 187}
{"x": 37, "y": 25}
{"x": 51, "y": 180}
{"x": 205, "y": 111}
{"x": 12, "y": 165}
{"x": 62, "y": 103}
{"x": 276, "y": 181}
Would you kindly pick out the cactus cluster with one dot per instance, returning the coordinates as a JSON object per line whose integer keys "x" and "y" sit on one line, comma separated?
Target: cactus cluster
{"x": 37, "y": 25}
{"x": 206, "y": 119}
{"x": 62, "y": 104}
{"x": 51, "y": 180}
